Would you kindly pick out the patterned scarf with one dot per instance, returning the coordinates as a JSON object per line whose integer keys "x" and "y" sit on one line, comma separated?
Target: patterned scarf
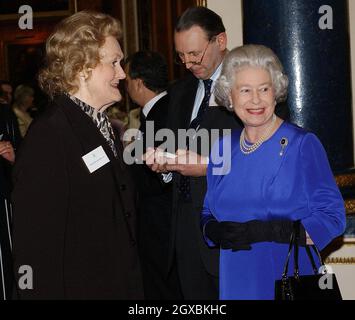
{"x": 101, "y": 121}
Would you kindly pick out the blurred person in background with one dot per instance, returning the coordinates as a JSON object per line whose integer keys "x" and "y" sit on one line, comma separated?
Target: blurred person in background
{"x": 23, "y": 101}
{"x": 9, "y": 140}
{"x": 147, "y": 84}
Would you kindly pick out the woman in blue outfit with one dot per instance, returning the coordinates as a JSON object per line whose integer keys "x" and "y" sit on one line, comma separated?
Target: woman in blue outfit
{"x": 278, "y": 173}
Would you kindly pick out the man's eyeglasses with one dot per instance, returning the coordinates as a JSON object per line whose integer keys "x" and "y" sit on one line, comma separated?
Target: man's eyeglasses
{"x": 180, "y": 59}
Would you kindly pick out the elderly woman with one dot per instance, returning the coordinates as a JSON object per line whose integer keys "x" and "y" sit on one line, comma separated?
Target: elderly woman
{"x": 279, "y": 173}
{"x": 73, "y": 200}
{"x": 23, "y": 100}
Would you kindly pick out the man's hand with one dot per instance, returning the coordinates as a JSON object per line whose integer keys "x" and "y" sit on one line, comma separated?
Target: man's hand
{"x": 187, "y": 163}
{"x": 7, "y": 151}
{"x": 155, "y": 160}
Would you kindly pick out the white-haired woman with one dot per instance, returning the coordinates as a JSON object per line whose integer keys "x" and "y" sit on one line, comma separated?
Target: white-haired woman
{"x": 279, "y": 173}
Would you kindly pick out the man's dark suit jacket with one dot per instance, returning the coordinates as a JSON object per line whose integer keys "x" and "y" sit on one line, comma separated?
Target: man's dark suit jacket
{"x": 182, "y": 99}
{"x": 154, "y": 218}
{"x": 9, "y": 131}
{"x": 75, "y": 229}
{"x": 150, "y": 183}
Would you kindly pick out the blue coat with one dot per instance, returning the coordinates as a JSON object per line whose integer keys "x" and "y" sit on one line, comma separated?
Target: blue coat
{"x": 296, "y": 184}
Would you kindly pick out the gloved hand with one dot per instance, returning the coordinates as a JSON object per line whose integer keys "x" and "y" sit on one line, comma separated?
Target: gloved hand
{"x": 228, "y": 235}
{"x": 240, "y": 236}
{"x": 273, "y": 231}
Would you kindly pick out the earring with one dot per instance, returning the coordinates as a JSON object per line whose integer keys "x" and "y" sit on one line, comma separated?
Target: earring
{"x": 82, "y": 76}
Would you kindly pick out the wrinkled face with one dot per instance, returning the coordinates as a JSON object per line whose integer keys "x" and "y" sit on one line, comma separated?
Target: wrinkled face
{"x": 253, "y": 96}
{"x": 193, "y": 46}
{"x": 7, "y": 89}
{"x": 105, "y": 77}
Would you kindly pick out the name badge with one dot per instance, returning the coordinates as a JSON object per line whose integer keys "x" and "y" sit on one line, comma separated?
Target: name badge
{"x": 96, "y": 159}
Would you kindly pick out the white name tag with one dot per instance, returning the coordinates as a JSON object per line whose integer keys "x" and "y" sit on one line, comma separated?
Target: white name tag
{"x": 96, "y": 159}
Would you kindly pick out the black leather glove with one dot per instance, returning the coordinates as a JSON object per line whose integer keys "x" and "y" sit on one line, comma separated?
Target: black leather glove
{"x": 239, "y": 236}
{"x": 227, "y": 234}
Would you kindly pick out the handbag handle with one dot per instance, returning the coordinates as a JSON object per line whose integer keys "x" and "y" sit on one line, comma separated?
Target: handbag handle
{"x": 294, "y": 240}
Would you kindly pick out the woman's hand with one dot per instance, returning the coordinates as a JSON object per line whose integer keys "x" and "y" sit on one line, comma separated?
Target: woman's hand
{"x": 7, "y": 151}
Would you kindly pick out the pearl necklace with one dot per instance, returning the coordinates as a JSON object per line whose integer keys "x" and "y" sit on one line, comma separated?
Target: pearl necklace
{"x": 249, "y": 148}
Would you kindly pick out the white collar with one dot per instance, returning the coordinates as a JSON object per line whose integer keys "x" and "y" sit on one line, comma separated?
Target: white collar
{"x": 215, "y": 75}
{"x": 214, "y": 78}
{"x": 150, "y": 104}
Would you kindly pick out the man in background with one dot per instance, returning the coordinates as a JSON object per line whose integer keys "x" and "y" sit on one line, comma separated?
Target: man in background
{"x": 5, "y": 92}
{"x": 200, "y": 45}
{"x": 9, "y": 128}
{"x": 147, "y": 83}
{"x": 9, "y": 140}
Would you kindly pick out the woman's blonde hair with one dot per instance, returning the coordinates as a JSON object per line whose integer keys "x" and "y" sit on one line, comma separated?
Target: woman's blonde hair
{"x": 250, "y": 56}
{"x": 74, "y": 47}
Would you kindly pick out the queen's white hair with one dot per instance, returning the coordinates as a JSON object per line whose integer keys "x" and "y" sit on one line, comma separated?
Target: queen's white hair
{"x": 250, "y": 56}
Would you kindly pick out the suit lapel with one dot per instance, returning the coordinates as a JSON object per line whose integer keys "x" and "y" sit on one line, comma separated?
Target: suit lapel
{"x": 188, "y": 101}
{"x": 157, "y": 112}
{"x": 87, "y": 133}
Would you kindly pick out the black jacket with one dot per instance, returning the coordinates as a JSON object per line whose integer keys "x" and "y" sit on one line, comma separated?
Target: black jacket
{"x": 182, "y": 100}
{"x": 150, "y": 183}
{"x": 9, "y": 131}
{"x": 154, "y": 218}
{"x": 75, "y": 229}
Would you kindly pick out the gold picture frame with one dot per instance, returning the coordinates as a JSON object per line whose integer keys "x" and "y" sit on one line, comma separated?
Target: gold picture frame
{"x": 202, "y": 3}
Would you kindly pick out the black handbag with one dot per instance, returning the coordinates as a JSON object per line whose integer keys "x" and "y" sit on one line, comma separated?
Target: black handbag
{"x": 318, "y": 286}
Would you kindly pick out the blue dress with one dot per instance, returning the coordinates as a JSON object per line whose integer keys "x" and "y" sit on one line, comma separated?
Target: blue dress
{"x": 293, "y": 182}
